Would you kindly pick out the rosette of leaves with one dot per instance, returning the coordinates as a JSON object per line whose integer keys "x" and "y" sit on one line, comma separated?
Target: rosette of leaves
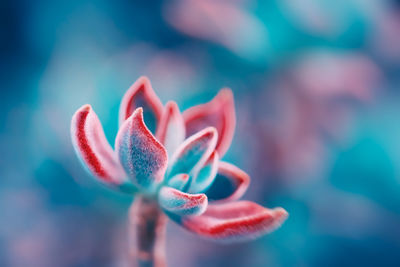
{"x": 171, "y": 162}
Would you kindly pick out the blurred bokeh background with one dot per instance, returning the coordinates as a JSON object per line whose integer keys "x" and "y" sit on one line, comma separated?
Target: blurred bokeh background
{"x": 316, "y": 85}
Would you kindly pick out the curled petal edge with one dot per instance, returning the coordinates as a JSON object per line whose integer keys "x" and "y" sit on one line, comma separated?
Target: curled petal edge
{"x": 171, "y": 129}
{"x": 127, "y": 106}
{"x": 235, "y": 221}
{"x": 206, "y": 175}
{"x": 94, "y": 151}
{"x": 222, "y": 107}
{"x": 143, "y": 158}
{"x": 230, "y": 183}
{"x": 180, "y": 203}
{"x": 200, "y": 146}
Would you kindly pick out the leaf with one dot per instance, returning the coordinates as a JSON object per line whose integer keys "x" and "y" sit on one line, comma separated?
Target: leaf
{"x": 141, "y": 155}
{"x": 141, "y": 94}
{"x": 229, "y": 184}
{"x": 179, "y": 181}
{"x": 219, "y": 113}
{"x": 205, "y": 177}
{"x": 193, "y": 152}
{"x": 235, "y": 221}
{"x": 93, "y": 149}
{"x": 171, "y": 130}
{"x": 180, "y": 203}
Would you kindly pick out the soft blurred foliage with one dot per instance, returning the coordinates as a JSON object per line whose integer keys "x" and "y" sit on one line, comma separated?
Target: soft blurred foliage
{"x": 316, "y": 86}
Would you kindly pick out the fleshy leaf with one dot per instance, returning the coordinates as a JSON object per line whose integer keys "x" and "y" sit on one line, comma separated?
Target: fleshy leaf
{"x": 180, "y": 203}
{"x": 229, "y": 184}
{"x": 235, "y": 221}
{"x": 141, "y": 94}
{"x": 179, "y": 181}
{"x": 205, "y": 177}
{"x": 171, "y": 129}
{"x": 93, "y": 149}
{"x": 219, "y": 113}
{"x": 141, "y": 155}
{"x": 193, "y": 152}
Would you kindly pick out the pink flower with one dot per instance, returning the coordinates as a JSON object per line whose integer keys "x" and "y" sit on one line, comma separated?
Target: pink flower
{"x": 174, "y": 159}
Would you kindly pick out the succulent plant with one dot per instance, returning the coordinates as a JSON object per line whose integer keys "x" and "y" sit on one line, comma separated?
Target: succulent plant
{"x": 171, "y": 162}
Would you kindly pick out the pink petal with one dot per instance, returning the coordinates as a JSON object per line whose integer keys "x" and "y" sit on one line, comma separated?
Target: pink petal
{"x": 141, "y": 155}
{"x": 235, "y": 221}
{"x": 171, "y": 129}
{"x": 141, "y": 94}
{"x": 229, "y": 184}
{"x": 180, "y": 203}
{"x": 219, "y": 113}
{"x": 193, "y": 152}
{"x": 93, "y": 148}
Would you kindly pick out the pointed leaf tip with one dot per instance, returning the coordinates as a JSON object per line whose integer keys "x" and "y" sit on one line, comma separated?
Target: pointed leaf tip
{"x": 171, "y": 130}
{"x": 93, "y": 149}
{"x": 235, "y": 221}
{"x": 193, "y": 152}
{"x": 141, "y": 155}
{"x": 141, "y": 94}
{"x": 219, "y": 113}
{"x": 180, "y": 203}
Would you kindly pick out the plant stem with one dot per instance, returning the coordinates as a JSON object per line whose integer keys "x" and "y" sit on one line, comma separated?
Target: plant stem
{"x": 146, "y": 234}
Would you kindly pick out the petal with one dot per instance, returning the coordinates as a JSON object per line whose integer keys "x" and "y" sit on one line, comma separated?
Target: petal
{"x": 141, "y": 155}
{"x": 205, "y": 177}
{"x": 219, "y": 113}
{"x": 179, "y": 181}
{"x": 93, "y": 149}
{"x": 171, "y": 130}
{"x": 235, "y": 221}
{"x": 229, "y": 184}
{"x": 193, "y": 152}
{"x": 141, "y": 94}
{"x": 180, "y": 203}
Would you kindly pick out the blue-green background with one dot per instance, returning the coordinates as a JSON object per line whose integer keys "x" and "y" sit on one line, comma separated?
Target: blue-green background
{"x": 344, "y": 202}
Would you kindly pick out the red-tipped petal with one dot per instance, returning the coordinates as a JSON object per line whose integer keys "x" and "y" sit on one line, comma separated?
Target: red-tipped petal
{"x": 235, "y": 221}
{"x": 229, "y": 184}
{"x": 193, "y": 152}
{"x": 93, "y": 148}
{"x": 180, "y": 203}
{"x": 219, "y": 113}
{"x": 141, "y": 94}
{"x": 141, "y": 155}
{"x": 171, "y": 129}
